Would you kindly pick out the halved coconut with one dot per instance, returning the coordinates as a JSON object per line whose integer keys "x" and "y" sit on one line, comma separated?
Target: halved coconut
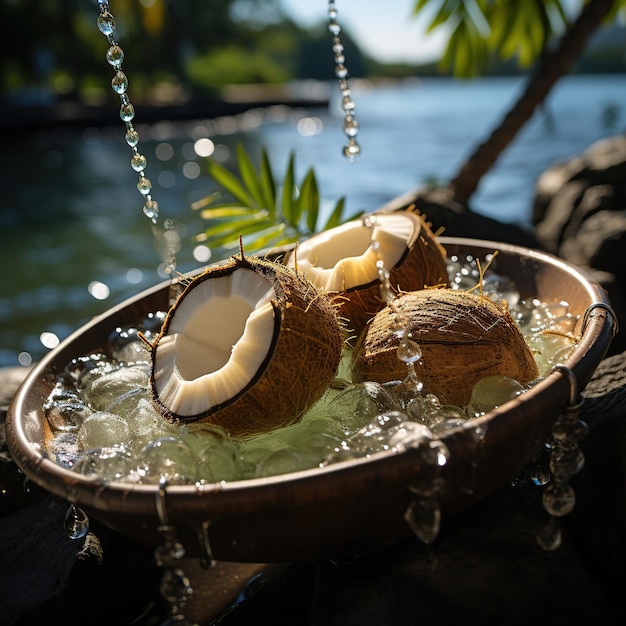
{"x": 249, "y": 346}
{"x": 463, "y": 338}
{"x": 342, "y": 261}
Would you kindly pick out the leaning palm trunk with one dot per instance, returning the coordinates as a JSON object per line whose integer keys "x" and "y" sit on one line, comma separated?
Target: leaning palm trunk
{"x": 551, "y": 67}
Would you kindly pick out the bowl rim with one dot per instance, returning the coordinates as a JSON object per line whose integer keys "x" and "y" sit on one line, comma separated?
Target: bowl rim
{"x": 228, "y": 497}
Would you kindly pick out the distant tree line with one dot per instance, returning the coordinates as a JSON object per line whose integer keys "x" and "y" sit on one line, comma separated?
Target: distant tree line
{"x": 54, "y": 46}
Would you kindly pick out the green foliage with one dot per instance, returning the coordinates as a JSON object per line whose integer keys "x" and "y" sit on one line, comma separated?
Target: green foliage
{"x": 263, "y": 213}
{"x": 483, "y": 28}
{"x": 234, "y": 65}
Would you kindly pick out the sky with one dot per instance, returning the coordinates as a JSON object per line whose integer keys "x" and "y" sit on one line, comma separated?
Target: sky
{"x": 384, "y": 29}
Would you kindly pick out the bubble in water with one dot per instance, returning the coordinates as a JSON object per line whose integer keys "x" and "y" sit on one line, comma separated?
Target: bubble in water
{"x": 359, "y": 404}
{"x": 125, "y": 345}
{"x": 498, "y": 288}
{"x": 126, "y": 403}
{"x": 76, "y": 522}
{"x": 102, "y": 390}
{"x": 65, "y": 410}
{"x": 491, "y": 392}
{"x": 409, "y": 434}
{"x": 102, "y": 429}
{"x": 167, "y": 457}
{"x": 280, "y": 462}
{"x": 147, "y": 425}
{"x": 105, "y": 463}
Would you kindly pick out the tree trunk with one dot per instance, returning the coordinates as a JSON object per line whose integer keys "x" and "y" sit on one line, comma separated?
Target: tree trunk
{"x": 550, "y": 69}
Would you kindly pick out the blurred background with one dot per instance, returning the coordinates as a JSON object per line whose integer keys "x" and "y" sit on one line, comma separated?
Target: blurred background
{"x": 207, "y": 76}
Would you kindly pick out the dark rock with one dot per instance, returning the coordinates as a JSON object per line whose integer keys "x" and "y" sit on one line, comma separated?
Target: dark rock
{"x": 580, "y": 215}
{"x": 603, "y": 163}
{"x": 453, "y": 218}
{"x": 600, "y": 242}
{"x": 595, "y": 199}
{"x": 558, "y": 213}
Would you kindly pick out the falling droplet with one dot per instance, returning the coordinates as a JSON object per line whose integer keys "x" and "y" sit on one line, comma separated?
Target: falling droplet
{"x": 549, "y": 536}
{"x": 175, "y": 586}
{"x": 424, "y": 518}
{"x": 76, "y": 522}
{"x": 559, "y": 499}
{"x": 409, "y": 351}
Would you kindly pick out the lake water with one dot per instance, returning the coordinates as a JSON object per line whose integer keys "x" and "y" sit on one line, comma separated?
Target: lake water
{"x": 71, "y": 217}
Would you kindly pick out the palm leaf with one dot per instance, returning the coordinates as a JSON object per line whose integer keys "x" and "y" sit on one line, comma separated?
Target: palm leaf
{"x": 250, "y": 178}
{"x": 258, "y": 215}
{"x": 230, "y": 182}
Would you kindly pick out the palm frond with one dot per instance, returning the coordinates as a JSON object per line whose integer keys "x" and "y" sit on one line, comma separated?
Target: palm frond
{"x": 258, "y": 212}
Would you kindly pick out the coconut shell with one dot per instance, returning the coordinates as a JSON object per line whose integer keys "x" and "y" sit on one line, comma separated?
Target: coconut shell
{"x": 301, "y": 364}
{"x": 463, "y": 338}
{"x": 422, "y": 265}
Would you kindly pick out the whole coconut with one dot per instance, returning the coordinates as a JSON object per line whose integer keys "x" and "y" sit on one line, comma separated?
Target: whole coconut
{"x": 463, "y": 338}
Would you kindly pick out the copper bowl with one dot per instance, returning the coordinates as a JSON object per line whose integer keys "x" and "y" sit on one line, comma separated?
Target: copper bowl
{"x": 344, "y": 507}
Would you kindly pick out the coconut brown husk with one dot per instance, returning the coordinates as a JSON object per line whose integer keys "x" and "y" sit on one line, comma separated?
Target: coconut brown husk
{"x": 302, "y": 361}
{"x": 422, "y": 265}
{"x": 463, "y": 338}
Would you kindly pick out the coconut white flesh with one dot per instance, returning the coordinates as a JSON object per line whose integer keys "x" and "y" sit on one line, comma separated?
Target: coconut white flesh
{"x": 345, "y": 257}
{"x": 218, "y": 337}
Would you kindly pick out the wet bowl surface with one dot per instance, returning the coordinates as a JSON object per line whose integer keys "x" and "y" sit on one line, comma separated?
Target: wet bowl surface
{"x": 344, "y": 507}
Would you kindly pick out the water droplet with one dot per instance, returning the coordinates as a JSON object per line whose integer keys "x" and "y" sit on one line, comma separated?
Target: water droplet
{"x": 76, "y": 522}
{"x": 175, "y": 586}
{"x": 540, "y": 474}
{"x": 409, "y": 351}
{"x": 168, "y": 552}
{"x": 119, "y": 82}
{"x": 106, "y": 23}
{"x": 549, "y": 536}
{"x": 334, "y": 28}
{"x": 566, "y": 428}
{"x": 115, "y": 55}
{"x": 341, "y": 71}
{"x": 351, "y": 150}
{"x": 350, "y": 126}
{"x": 127, "y": 112}
{"x": 347, "y": 103}
{"x": 138, "y": 162}
{"x": 151, "y": 209}
{"x": 566, "y": 461}
{"x": 558, "y": 499}
{"x": 424, "y": 518}
{"x": 132, "y": 137}
{"x": 144, "y": 186}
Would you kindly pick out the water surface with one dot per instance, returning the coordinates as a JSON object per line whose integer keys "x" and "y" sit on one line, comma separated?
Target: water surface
{"x": 70, "y": 214}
